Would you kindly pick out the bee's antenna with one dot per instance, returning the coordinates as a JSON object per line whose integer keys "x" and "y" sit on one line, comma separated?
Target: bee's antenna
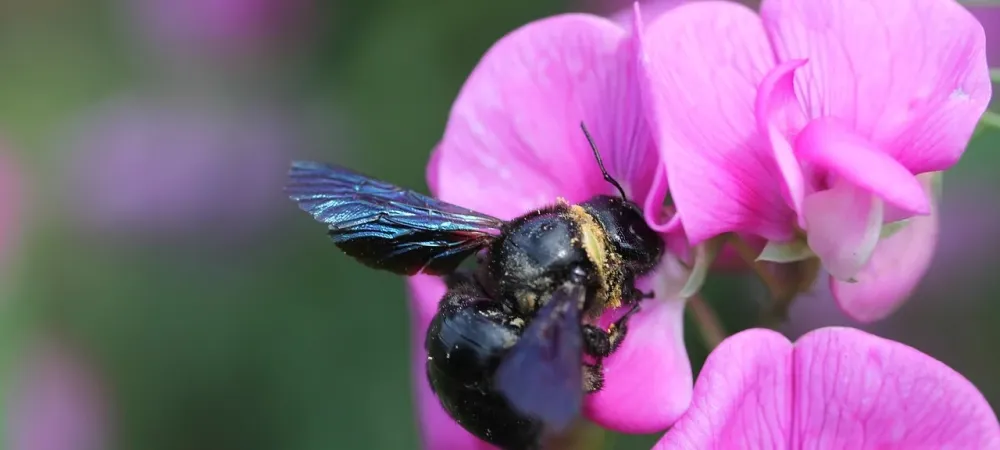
{"x": 600, "y": 163}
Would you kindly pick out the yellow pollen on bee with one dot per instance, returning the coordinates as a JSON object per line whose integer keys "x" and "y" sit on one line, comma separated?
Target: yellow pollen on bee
{"x": 606, "y": 262}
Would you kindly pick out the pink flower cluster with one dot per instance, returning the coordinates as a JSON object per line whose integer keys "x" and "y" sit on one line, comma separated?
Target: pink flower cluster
{"x": 9, "y": 205}
{"x": 56, "y": 401}
{"x": 819, "y": 128}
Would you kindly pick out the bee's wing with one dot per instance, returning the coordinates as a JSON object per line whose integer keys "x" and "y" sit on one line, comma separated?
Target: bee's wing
{"x": 385, "y": 226}
{"x": 542, "y": 375}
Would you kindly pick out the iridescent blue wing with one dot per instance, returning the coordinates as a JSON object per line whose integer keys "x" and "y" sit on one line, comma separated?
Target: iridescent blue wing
{"x": 542, "y": 375}
{"x": 388, "y": 227}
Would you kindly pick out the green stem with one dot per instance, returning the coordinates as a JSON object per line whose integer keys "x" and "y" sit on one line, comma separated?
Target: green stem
{"x": 775, "y": 313}
{"x": 749, "y": 256}
{"x": 990, "y": 119}
{"x": 709, "y": 326}
{"x": 995, "y": 75}
{"x": 583, "y": 436}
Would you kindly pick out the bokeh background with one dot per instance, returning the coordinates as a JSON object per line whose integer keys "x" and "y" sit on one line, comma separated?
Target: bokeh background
{"x": 158, "y": 292}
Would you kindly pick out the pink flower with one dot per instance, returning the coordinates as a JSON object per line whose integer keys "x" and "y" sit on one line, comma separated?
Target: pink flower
{"x": 809, "y": 124}
{"x": 835, "y": 388}
{"x": 9, "y": 204}
{"x": 150, "y": 166}
{"x": 513, "y": 144}
{"x": 989, "y": 15}
{"x": 56, "y": 403}
{"x": 195, "y": 26}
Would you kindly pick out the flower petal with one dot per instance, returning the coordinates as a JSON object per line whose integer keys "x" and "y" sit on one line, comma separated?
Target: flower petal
{"x": 513, "y": 141}
{"x": 895, "y": 269}
{"x": 843, "y": 227}
{"x": 829, "y": 145}
{"x": 910, "y": 75}
{"x": 647, "y": 380}
{"x": 779, "y": 114}
{"x": 839, "y": 388}
{"x": 702, "y": 62}
{"x": 629, "y": 152}
{"x": 656, "y": 214}
{"x": 742, "y": 399}
{"x": 438, "y": 430}
{"x": 858, "y": 391}
{"x": 624, "y": 10}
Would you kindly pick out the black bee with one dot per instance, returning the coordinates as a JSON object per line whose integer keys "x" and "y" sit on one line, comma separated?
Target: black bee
{"x": 506, "y": 347}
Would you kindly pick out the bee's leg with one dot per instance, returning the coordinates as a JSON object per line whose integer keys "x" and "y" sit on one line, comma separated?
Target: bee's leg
{"x": 596, "y": 344}
{"x": 616, "y": 332}
{"x": 593, "y": 377}
{"x": 633, "y": 294}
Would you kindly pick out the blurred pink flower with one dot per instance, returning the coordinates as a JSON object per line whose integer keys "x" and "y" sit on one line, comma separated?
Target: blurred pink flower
{"x": 56, "y": 403}
{"x": 513, "y": 144}
{"x": 152, "y": 167}
{"x": 810, "y": 123}
{"x": 224, "y": 26}
{"x": 10, "y": 208}
{"x": 988, "y": 15}
{"x": 835, "y": 388}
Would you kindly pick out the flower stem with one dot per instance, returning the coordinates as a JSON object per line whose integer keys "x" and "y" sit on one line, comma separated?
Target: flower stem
{"x": 583, "y": 436}
{"x": 990, "y": 119}
{"x": 709, "y": 325}
{"x": 749, "y": 256}
{"x": 995, "y": 75}
{"x": 773, "y": 314}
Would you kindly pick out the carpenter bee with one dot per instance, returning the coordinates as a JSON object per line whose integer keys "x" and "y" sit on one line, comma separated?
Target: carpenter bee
{"x": 506, "y": 346}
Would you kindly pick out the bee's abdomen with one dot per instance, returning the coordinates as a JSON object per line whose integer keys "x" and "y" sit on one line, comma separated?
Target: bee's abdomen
{"x": 465, "y": 343}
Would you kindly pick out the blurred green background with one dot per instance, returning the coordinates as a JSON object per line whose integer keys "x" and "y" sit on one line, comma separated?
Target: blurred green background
{"x": 155, "y": 257}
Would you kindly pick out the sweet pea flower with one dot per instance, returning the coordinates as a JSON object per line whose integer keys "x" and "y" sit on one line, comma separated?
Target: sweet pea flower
{"x": 57, "y": 402}
{"x": 219, "y": 26}
{"x": 988, "y": 14}
{"x": 834, "y": 388}
{"x": 9, "y": 205}
{"x": 151, "y": 166}
{"x": 513, "y": 144}
{"x": 819, "y": 126}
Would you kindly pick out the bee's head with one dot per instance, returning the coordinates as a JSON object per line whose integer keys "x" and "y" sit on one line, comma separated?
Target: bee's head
{"x": 630, "y": 236}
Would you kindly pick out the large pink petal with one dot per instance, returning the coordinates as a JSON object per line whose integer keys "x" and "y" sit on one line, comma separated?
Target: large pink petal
{"x": 629, "y": 153}
{"x": 742, "y": 399}
{"x": 647, "y": 381}
{"x": 910, "y": 75}
{"x": 844, "y": 224}
{"x": 702, "y": 64}
{"x": 513, "y": 140}
{"x": 857, "y": 391}
{"x": 897, "y": 265}
{"x": 839, "y": 388}
{"x": 438, "y": 430}
{"x": 652, "y": 206}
